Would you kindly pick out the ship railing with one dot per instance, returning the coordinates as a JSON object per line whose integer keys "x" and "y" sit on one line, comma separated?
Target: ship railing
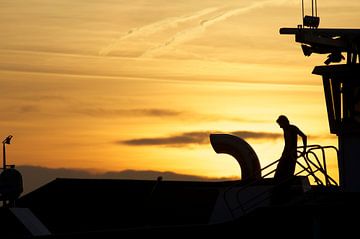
{"x": 319, "y": 165}
{"x": 309, "y": 166}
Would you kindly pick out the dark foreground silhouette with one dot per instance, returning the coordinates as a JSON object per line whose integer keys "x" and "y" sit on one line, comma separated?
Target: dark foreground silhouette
{"x": 286, "y": 166}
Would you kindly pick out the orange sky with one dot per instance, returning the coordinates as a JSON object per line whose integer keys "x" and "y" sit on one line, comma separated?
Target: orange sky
{"x": 81, "y": 81}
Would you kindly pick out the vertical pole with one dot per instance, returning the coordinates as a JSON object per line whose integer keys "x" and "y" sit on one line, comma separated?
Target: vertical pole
{"x": 4, "y": 165}
{"x": 312, "y": 7}
{"x": 4, "y": 157}
{"x": 348, "y": 57}
{"x": 302, "y": 8}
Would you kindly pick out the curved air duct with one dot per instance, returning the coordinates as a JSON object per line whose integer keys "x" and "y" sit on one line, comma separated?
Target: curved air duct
{"x": 241, "y": 151}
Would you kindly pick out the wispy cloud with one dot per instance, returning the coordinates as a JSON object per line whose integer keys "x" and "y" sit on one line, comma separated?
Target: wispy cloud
{"x": 174, "y": 140}
{"x": 155, "y": 28}
{"x": 20, "y": 109}
{"x": 257, "y": 135}
{"x": 195, "y": 31}
{"x": 202, "y": 137}
{"x": 27, "y": 109}
{"x": 159, "y": 113}
{"x": 111, "y": 112}
{"x": 196, "y": 24}
{"x": 156, "y": 112}
{"x": 194, "y": 138}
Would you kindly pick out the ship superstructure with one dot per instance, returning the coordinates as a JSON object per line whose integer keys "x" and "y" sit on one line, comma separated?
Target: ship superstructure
{"x": 310, "y": 204}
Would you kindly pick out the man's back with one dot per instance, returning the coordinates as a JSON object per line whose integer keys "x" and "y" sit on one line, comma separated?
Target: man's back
{"x": 291, "y": 133}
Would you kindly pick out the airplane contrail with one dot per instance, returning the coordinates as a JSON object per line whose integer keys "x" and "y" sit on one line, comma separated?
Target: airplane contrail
{"x": 193, "y": 32}
{"x": 156, "y": 27}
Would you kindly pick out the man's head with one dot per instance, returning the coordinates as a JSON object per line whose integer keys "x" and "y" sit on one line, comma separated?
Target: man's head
{"x": 282, "y": 121}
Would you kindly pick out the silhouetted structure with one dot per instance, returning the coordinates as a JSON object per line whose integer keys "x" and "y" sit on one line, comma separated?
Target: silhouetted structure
{"x": 241, "y": 151}
{"x": 11, "y": 184}
{"x": 86, "y": 208}
{"x": 341, "y": 86}
{"x": 5, "y": 142}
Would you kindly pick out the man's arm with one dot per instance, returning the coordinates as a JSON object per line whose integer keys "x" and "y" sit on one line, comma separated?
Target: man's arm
{"x": 304, "y": 139}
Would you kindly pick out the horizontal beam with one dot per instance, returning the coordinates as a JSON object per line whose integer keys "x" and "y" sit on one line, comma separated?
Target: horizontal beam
{"x": 327, "y": 40}
{"x": 330, "y": 32}
{"x": 343, "y": 71}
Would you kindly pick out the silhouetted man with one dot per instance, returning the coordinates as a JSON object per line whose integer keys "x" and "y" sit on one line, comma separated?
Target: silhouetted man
{"x": 286, "y": 166}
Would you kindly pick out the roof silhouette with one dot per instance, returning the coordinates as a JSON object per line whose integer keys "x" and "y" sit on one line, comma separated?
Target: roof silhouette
{"x": 70, "y": 205}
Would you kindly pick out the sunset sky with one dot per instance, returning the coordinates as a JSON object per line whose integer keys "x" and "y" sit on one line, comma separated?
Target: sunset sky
{"x": 118, "y": 84}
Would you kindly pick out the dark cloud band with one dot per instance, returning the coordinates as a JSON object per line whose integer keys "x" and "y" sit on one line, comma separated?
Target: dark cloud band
{"x": 197, "y": 137}
{"x": 152, "y": 112}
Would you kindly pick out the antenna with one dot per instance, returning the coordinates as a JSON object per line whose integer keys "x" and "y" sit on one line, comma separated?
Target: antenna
{"x": 312, "y": 21}
{"x": 302, "y": 9}
{"x": 6, "y": 141}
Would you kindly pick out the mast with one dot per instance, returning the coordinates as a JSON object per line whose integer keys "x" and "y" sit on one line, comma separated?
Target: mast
{"x": 341, "y": 84}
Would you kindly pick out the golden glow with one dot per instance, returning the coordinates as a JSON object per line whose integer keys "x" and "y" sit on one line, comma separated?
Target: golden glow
{"x": 77, "y": 79}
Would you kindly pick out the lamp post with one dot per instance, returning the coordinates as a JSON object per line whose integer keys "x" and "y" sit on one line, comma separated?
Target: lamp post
{"x": 6, "y": 141}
